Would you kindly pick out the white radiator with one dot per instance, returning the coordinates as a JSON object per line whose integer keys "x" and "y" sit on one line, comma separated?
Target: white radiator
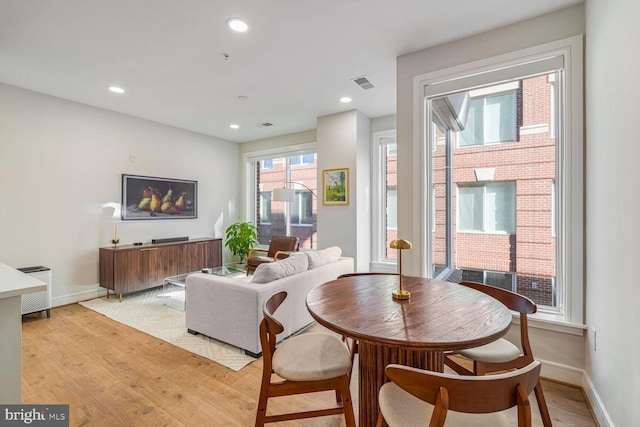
{"x": 37, "y": 301}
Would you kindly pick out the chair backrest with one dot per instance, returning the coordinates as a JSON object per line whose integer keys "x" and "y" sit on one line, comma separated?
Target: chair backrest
{"x": 515, "y": 302}
{"x": 270, "y": 327}
{"x": 477, "y": 395}
{"x": 283, "y": 243}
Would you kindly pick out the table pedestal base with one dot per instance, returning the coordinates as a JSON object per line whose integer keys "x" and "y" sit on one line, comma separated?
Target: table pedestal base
{"x": 372, "y": 361}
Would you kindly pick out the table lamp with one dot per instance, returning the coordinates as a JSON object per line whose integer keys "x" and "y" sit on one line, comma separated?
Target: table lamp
{"x": 400, "y": 244}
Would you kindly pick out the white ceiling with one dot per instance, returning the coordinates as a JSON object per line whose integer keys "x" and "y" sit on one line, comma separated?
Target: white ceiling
{"x": 294, "y": 63}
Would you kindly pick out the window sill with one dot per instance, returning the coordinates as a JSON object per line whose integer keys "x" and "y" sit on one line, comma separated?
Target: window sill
{"x": 552, "y": 322}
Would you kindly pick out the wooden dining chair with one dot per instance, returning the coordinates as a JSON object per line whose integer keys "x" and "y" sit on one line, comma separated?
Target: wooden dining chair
{"x": 306, "y": 363}
{"x": 416, "y": 397}
{"x": 502, "y": 355}
{"x": 352, "y": 342}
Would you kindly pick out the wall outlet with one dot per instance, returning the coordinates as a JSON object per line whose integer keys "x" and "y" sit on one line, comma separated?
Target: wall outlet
{"x": 534, "y": 285}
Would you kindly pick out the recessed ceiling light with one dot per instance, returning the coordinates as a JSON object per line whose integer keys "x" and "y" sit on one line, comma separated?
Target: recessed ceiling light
{"x": 234, "y": 126}
{"x": 116, "y": 89}
{"x": 345, "y": 99}
{"x": 237, "y": 25}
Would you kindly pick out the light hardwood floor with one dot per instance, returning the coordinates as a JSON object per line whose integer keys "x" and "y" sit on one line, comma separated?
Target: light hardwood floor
{"x": 112, "y": 375}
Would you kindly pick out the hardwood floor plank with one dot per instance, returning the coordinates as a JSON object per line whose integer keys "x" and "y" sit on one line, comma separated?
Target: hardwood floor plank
{"x": 112, "y": 375}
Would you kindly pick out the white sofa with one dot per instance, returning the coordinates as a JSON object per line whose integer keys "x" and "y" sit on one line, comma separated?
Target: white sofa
{"x": 229, "y": 308}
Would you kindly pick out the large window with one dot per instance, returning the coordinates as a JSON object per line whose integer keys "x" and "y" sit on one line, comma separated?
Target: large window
{"x": 293, "y": 170}
{"x": 503, "y": 154}
{"x": 487, "y": 225}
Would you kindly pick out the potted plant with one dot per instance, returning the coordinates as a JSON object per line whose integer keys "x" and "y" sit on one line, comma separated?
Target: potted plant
{"x": 240, "y": 237}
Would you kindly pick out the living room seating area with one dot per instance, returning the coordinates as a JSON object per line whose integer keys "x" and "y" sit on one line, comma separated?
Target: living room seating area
{"x": 229, "y": 308}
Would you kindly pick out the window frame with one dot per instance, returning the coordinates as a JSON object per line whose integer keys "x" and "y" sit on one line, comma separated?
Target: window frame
{"x": 569, "y": 155}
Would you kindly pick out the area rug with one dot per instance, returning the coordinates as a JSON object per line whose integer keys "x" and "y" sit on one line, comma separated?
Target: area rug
{"x": 146, "y": 311}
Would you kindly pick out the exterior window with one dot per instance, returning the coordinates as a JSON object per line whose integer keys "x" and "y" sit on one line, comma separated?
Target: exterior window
{"x": 499, "y": 279}
{"x": 266, "y": 164}
{"x": 491, "y": 120}
{"x": 305, "y": 159}
{"x": 487, "y": 208}
{"x": 265, "y": 207}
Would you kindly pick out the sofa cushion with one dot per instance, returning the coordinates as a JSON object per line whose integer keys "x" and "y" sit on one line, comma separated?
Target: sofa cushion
{"x": 323, "y": 256}
{"x": 271, "y": 271}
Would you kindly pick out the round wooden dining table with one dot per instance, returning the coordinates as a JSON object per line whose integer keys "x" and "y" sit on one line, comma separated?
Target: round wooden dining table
{"x": 439, "y": 316}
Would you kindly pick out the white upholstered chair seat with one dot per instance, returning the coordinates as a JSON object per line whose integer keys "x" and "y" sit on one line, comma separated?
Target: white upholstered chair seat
{"x": 311, "y": 357}
{"x": 499, "y": 351}
{"x": 401, "y": 409}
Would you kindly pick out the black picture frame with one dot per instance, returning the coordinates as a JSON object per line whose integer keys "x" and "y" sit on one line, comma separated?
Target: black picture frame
{"x": 149, "y": 198}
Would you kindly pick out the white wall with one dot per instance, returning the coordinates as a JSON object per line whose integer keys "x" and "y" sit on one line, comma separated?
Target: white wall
{"x": 61, "y": 161}
{"x": 613, "y": 175}
{"x": 383, "y": 123}
{"x": 281, "y": 141}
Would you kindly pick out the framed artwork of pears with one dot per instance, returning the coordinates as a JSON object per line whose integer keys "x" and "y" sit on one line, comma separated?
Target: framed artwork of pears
{"x": 146, "y": 197}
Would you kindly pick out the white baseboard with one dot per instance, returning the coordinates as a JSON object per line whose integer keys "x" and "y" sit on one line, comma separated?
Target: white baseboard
{"x": 78, "y": 296}
{"x": 599, "y": 411}
{"x": 563, "y": 373}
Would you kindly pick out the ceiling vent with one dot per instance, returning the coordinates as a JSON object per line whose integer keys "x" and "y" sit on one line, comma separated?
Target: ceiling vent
{"x": 363, "y": 82}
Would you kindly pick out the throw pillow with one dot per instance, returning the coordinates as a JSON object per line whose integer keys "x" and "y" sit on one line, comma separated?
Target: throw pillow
{"x": 271, "y": 271}
{"x": 323, "y": 256}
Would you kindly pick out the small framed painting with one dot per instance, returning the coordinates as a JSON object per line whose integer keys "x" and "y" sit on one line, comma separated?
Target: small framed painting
{"x": 147, "y": 197}
{"x": 335, "y": 187}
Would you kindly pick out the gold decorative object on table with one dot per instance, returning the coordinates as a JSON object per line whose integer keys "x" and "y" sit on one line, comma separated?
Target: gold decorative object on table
{"x": 400, "y": 244}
